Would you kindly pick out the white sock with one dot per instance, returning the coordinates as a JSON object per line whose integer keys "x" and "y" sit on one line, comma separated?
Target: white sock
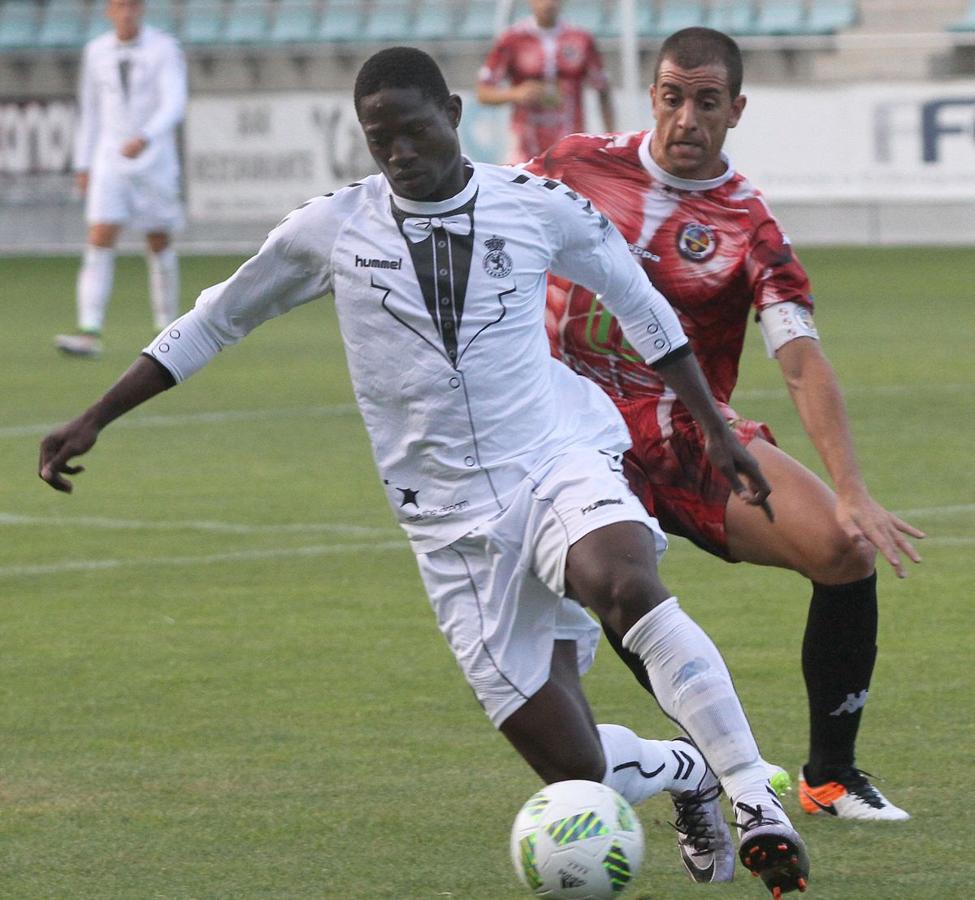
{"x": 94, "y": 286}
{"x": 163, "y": 286}
{"x": 693, "y": 686}
{"x": 638, "y": 769}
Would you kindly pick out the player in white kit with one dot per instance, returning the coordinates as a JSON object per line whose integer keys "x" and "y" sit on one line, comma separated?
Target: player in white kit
{"x": 501, "y": 464}
{"x": 132, "y": 98}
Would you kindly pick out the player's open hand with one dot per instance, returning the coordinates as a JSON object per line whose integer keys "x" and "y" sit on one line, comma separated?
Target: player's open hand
{"x": 60, "y": 447}
{"x": 733, "y": 460}
{"x": 860, "y": 516}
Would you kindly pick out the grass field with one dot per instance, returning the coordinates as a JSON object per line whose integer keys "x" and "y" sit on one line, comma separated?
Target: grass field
{"x": 219, "y": 677}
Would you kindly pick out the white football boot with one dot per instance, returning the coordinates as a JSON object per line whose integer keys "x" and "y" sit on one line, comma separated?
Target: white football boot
{"x": 851, "y": 796}
{"x": 703, "y": 837}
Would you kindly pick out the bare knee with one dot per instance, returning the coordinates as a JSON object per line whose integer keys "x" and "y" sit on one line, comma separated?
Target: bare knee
{"x": 157, "y": 241}
{"x": 623, "y": 595}
{"x": 841, "y": 559}
{"x": 103, "y": 235}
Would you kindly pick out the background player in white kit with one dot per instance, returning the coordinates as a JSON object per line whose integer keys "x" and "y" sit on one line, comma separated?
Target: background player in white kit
{"x": 132, "y": 98}
{"x": 501, "y": 464}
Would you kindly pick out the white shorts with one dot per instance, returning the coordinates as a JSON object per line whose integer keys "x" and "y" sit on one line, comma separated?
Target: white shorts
{"x": 147, "y": 200}
{"x": 498, "y": 591}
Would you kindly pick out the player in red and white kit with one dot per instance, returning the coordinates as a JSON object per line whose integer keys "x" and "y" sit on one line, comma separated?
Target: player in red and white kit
{"x": 710, "y": 244}
{"x": 541, "y": 65}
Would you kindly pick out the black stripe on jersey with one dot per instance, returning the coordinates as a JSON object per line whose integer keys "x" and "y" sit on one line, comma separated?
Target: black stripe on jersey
{"x": 442, "y": 263}
{"x": 521, "y": 179}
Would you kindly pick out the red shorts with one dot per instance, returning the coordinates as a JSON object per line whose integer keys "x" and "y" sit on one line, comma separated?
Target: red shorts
{"x": 669, "y": 471}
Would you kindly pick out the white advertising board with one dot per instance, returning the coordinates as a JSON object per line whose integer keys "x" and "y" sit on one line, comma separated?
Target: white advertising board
{"x": 256, "y": 157}
{"x": 875, "y": 142}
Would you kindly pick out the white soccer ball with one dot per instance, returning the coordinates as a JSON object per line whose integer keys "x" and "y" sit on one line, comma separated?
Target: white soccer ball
{"x": 577, "y": 840}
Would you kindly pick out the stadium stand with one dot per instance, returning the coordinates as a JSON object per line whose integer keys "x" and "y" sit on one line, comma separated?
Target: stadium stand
{"x": 341, "y": 21}
{"x": 435, "y": 20}
{"x": 477, "y": 21}
{"x": 968, "y": 22}
{"x": 247, "y": 22}
{"x": 202, "y": 23}
{"x": 731, "y": 16}
{"x": 64, "y": 23}
{"x": 389, "y": 21}
{"x": 18, "y": 25}
{"x": 673, "y": 15}
{"x": 780, "y": 17}
{"x": 294, "y": 23}
{"x": 830, "y": 16}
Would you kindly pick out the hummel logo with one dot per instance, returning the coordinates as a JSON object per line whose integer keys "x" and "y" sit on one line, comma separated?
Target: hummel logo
{"x": 363, "y": 263}
{"x": 851, "y": 704}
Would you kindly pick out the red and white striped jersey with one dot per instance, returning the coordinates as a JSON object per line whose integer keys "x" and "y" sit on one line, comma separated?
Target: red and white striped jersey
{"x": 713, "y": 248}
{"x": 565, "y": 56}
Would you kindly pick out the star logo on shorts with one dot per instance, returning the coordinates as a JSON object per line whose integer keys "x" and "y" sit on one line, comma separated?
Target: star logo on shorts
{"x": 409, "y": 496}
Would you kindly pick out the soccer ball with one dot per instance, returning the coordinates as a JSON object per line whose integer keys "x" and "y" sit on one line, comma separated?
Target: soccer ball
{"x": 577, "y": 840}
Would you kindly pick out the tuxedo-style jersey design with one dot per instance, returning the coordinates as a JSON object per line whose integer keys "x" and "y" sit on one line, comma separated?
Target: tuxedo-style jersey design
{"x": 441, "y": 308}
{"x": 566, "y": 57}
{"x": 129, "y": 89}
{"x": 711, "y": 247}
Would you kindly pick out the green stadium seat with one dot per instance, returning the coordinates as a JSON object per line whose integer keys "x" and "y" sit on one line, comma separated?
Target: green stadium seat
{"x": 294, "y": 23}
{"x": 676, "y": 14}
{"x": 341, "y": 21}
{"x": 968, "y": 23}
{"x": 830, "y": 16}
{"x": 160, "y": 14}
{"x": 477, "y": 22}
{"x": 434, "y": 20}
{"x": 202, "y": 22}
{"x": 593, "y": 15}
{"x": 64, "y": 23}
{"x": 19, "y": 22}
{"x": 732, "y": 16}
{"x": 248, "y": 22}
{"x": 389, "y": 20}
{"x": 780, "y": 17}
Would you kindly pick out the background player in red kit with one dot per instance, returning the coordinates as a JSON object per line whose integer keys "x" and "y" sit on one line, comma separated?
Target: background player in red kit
{"x": 710, "y": 244}
{"x": 541, "y": 65}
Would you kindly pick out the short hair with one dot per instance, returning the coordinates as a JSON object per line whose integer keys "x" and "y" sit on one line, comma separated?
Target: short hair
{"x": 400, "y": 67}
{"x": 691, "y": 48}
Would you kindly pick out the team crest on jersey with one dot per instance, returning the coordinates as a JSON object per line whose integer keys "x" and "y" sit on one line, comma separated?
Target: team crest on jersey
{"x": 696, "y": 241}
{"x": 497, "y": 263}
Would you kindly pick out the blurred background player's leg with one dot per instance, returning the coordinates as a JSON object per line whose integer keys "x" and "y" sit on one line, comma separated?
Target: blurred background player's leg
{"x": 163, "y": 266}
{"x": 94, "y": 287}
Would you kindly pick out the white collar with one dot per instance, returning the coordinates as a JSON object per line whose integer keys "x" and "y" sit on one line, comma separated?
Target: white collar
{"x": 438, "y": 207}
{"x": 683, "y": 184}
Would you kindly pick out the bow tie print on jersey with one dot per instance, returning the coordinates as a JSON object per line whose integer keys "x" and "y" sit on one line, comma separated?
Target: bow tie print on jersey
{"x": 419, "y": 229}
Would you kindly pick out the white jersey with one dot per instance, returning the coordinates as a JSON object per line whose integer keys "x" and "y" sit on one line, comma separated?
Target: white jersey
{"x": 441, "y": 307}
{"x": 130, "y": 89}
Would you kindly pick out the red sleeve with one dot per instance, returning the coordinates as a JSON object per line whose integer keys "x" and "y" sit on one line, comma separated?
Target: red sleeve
{"x": 596, "y": 75}
{"x": 497, "y": 64}
{"x": 774, "y": 272}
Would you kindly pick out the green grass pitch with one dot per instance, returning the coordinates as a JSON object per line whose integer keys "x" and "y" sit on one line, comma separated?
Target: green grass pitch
{"x": 220, "y": 678}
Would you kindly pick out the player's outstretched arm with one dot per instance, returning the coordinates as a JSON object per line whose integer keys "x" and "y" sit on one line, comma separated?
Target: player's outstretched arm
{"x": 819, "y": 401}
{"x": 683, "y": 375}
{"x": 144, "y": 379}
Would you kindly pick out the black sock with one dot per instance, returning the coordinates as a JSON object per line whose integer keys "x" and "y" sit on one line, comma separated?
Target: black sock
{"x": 838, "y": 654}
{"x": 630, "y": 658}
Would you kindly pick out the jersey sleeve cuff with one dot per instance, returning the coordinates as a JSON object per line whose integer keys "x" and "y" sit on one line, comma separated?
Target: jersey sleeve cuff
{"x": 674, "y": 355}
